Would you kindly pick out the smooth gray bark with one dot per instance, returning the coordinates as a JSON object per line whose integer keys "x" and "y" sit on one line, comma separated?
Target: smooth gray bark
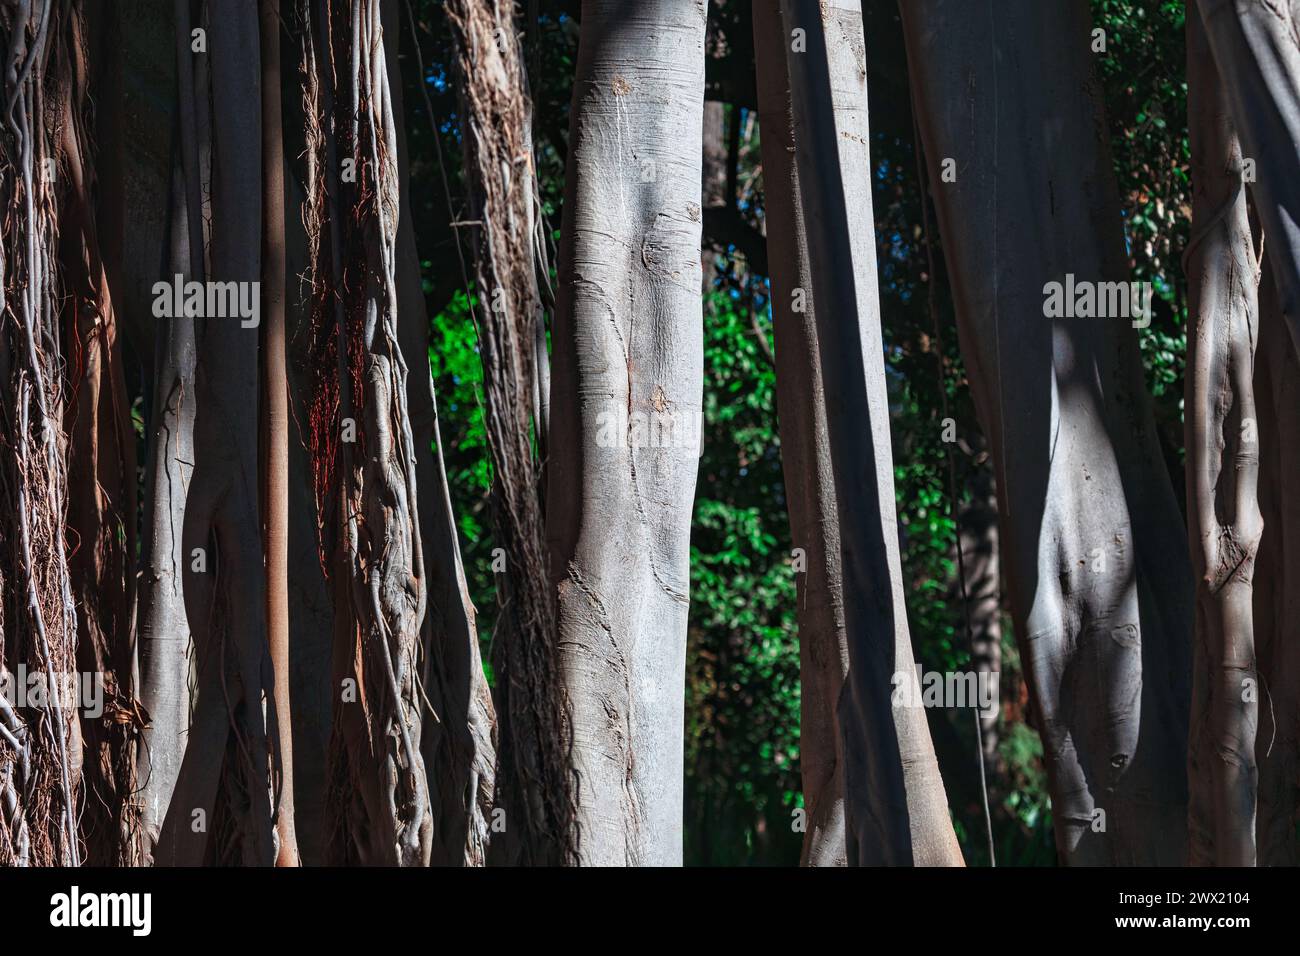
{"x": 225, "y": 598}
{"x": 1094, "y": 549}
{"x": 1223, "y": 515}
{"x": 459, "y": 735}
{"x": 628, "y": 348}
{"x": 1256, "y": 45}
{"x": 896, "y": 809}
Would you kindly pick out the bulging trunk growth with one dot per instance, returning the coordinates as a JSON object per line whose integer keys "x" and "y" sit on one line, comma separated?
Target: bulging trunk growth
{"x": 1095, "y": 557}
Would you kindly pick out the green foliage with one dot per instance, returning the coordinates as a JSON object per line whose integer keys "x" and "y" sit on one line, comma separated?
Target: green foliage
{"x": 742, "y": 688}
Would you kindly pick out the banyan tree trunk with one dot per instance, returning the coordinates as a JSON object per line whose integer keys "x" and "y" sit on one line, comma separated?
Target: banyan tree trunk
{"x": 805, "y": 457}
{"x": 362, "y": 445}
{"x": 626, "y": 397}
{"x": 40, "y": 738}
{"x": 533, "y": 780}
{"x": 1224, "y": 520}
{"x": 896, "y": 808}
{"x": 1092, "y": 544}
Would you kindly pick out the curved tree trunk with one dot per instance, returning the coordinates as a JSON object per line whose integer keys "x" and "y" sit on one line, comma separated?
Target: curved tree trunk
{"x": 1255, "y": 45}
{"x": 1224, "y": 520}
{"x": 628, "y": 351}
{"x": 225, "y": 776}
{"x": 896, "y": 810}
{"x": 805, "y": 457}
{"x": 1095, "y": 556}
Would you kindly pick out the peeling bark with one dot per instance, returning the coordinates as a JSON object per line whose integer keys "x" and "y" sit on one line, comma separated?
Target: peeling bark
{"x": 896, "y": 809}
{"x": 40, "y": 740}
{"x": 101, "y": 479}
{"x": 380, "y": 810}
{"x": 459, "y": 733}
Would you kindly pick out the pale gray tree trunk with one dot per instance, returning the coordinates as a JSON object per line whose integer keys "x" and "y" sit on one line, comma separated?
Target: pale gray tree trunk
{"x": 628, "y": 351}
{"x": 1256, "y": 45}
{"x": 896, "y": 810}
{"x": 225, "y": 773}
{"x": 805, "y": 456}
{"x": 165, "y": 642}
{"x": 1223, "y": 515}
{"x": 1095, "y": 554}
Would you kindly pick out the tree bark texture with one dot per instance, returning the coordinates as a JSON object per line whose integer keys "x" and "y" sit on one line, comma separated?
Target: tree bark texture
{"x": 533, "y": 781}
{"x": 1095, "y": 557}
{"x": 805, "y": 456}
{"x": 628, "y": 349}
{"x": 362, "y": 445}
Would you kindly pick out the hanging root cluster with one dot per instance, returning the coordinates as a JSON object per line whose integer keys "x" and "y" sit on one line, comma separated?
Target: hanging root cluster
{"x": 40, "y": 741}
{"x": 534, "y": 778}
{"x": 101, "y": 473}
{"x": 360, "y": 441}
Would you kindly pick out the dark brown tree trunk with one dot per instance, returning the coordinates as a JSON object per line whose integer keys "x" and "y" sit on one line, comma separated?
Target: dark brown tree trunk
{"x": 101, "y": 479}
{"x": 1277, "y": 586}
{"x": 40, "y": 738}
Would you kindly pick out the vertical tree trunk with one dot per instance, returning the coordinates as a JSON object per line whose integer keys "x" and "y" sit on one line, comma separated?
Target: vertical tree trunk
{"x": 40, "y": 740}
{"x": 1277, "y": 586}
{"x": 805, "y": 456}
{"x": 1096, "y": 559}
{"x": 225, "y": 777}
{"x": 101, "y": 477}
{"x": 983, "y": 591}
{"x": 713, "y": 176}
{"x": 1255, "y": 47}
{"x": 896, "y": 810}
{"x": 533, "y": 778}
{"x": 362, "y": 445}
{"x": 459, "y": 733}
{"x": 1223, "y": 515}
{"x": 628, "y": 352}
{"x": 275, "y": 427}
